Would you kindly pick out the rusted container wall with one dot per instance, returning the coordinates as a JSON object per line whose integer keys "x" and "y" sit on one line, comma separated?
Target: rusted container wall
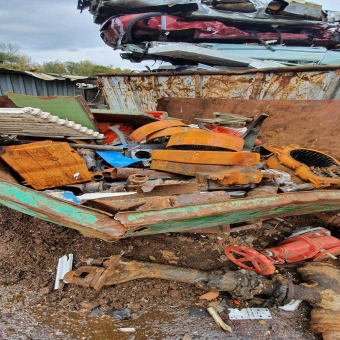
{"x": 140, "y": 91}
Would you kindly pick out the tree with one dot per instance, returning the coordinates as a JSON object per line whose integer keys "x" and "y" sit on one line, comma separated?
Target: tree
{"x": 9, "y": 53}
{"x": 10, "y": 57}
{"x": 88, "y": 68}
{"x": 53, "y": 67}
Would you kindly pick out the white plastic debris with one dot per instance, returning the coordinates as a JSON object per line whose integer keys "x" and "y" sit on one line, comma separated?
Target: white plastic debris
{"x": 64, "y": 266}
{"x": 249, "y": 314}
{"x": 127, "y": 330}
{"x": 291, "y": 306}
{"x": 95, "y": 195}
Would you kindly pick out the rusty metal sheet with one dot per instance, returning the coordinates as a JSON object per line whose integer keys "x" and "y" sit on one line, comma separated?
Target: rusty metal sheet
{"x": 169, "y": 132}
{"x": 310, "y": 123}
{"x": 228, "y": 212}
{"x": 206, "y": 157}
{"x": 224, "y": 175}
{"x": 148, "y": 129}
{"x": 141, "y": 91}
{"x": 46, "y": 164}
{"x": 200, "y": 138}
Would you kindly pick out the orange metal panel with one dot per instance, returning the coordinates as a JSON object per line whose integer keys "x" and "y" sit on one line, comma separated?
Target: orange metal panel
{"x": 148, "y": 129}
{"x": 207, "y": 157}
{"x": 169, "y": 132}
{"x": 46, "y": 164}
{"x": 203, "y": 138}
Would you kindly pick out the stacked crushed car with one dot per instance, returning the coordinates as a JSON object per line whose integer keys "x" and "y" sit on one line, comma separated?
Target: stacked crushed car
{"x": 215, "y": 33}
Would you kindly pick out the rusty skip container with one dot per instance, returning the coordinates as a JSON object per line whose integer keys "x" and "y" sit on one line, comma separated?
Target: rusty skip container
{"x": 140, "y": 91}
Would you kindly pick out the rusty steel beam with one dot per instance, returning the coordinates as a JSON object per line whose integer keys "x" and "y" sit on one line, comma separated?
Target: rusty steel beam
{"x": 148, "y": 129}
{"x": 201, "y": 138}
{"x": 204, "y": 157}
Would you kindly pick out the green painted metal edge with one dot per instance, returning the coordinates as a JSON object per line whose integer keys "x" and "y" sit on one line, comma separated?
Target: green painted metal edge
{"x": 90, "y": 222}
{"x": 94, "y": 223}
{"x": 229, "y": 212}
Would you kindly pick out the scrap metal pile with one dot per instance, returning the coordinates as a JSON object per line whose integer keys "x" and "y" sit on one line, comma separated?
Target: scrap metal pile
{"x": 143, "y": 173}
{"x": 163, "y": 165}
{"x": 219, "y": 33}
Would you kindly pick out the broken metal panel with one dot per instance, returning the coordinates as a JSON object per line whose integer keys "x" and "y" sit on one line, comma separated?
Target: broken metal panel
{"x": 207, "y": 56}
{"x": 259, "y": 17}
{"x": 125, "y": 117}
{"x": 319, "y": 55}
{"x": 46, "y": 164}
{"x": 141, "y": 92}
{"x": 229, "y": 212}
{"x": 90, "y": 222}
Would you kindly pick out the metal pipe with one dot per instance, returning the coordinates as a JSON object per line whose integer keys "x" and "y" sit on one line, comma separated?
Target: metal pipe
{"x": 98, "y": 147}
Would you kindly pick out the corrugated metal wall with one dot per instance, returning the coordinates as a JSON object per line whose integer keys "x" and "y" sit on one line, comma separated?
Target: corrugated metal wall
{"x": 26, "y": 84}
{"x": 141, "y": 91}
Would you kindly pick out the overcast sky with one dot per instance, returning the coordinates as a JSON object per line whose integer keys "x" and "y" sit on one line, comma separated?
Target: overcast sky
{"x": 55, "y": 30}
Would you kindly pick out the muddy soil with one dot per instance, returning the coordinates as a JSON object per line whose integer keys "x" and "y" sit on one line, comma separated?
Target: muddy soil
{"x": 31, "y": 309}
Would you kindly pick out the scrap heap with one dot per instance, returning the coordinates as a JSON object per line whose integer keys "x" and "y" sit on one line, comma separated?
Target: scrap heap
{"x": 140, "y": 173}
{"x": 162, "y": 164}
{"x": 219, "y": 33}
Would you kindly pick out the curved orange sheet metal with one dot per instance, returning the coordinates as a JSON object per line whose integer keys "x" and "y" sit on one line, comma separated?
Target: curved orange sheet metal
{"x": 206, "y": 138}
{"x": 169, "y": 132}
{"x": 207, "y": 157}
{"x": 148, "y": 129}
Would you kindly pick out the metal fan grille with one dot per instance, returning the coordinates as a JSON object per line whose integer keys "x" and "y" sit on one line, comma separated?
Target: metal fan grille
{"x": 319, "y": 164}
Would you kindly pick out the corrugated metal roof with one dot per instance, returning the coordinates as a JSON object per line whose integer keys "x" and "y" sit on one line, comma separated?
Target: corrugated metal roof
{"x": 45, "y": 76}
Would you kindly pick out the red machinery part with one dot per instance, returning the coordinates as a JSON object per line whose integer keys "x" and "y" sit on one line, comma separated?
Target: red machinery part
{"x": 309, "y": 243}
{"x": 250, "y": 259}
{"x": 222, "y": 129}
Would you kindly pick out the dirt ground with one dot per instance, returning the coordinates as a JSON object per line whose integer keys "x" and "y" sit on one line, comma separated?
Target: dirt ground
{"x": 31, "y": 309}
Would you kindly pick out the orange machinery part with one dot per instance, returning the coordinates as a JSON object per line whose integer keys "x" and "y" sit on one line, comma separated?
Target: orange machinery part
{"x": 206, "y": 138}
{"x": 169, "y": 132}
{"x": 207, "y": 157}
{"x": 148, "y": 129}
{"x": 301, "y": 170}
